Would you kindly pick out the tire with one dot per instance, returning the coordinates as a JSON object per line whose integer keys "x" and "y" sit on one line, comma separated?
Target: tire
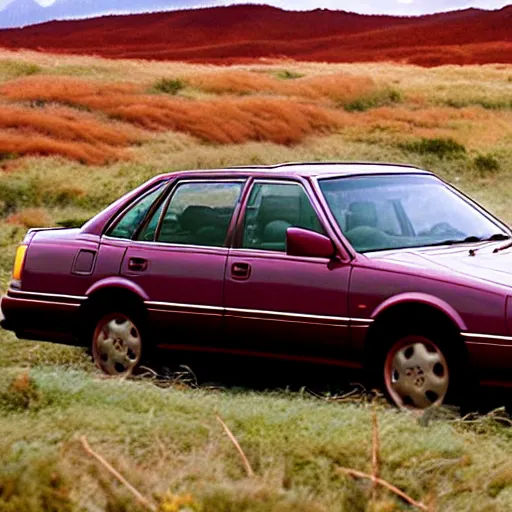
{"x": 117, "y": 342}
{"x": 421, "y": 369}
{"x": 416, "y": 373}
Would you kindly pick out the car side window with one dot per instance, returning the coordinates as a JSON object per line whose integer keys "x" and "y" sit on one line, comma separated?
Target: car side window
{"x": 271, "y": 209}
{"x": 197, "y": 214}
{"x": 126, "y": 226}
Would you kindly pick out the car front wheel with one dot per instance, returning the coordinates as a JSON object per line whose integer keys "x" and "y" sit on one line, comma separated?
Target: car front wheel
{"x": 117, "y": 344}
{"x": 416, "y": 373}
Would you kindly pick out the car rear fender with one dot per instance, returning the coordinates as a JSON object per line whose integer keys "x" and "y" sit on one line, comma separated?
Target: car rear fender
{"x": 117, "y": 284}
{"x": 421, "y": 298}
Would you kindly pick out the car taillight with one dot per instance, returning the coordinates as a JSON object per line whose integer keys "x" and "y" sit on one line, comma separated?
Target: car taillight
{"x": 19, "y": 260}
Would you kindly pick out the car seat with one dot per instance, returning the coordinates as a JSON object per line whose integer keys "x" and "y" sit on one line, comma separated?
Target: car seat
{"x": 362, "y": 213}
{"x": 276, "y": 214}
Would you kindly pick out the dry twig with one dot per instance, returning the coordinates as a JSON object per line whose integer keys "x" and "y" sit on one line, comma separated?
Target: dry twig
{"x": 140, "y": 498}
{"x": 375, "y": 453}
{"x": 247, "y": 465}
{"x": 383, "y": 483}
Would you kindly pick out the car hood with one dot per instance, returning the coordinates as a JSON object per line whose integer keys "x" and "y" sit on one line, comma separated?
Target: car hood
{"x": 484, "y": 265}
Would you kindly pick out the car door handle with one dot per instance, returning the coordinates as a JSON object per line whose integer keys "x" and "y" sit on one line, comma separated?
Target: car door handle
{"x": 137, "y": 264}
{"x": 240, "y": 270}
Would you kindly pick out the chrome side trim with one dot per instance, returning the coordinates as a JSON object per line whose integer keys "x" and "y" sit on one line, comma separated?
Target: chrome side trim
{"x": 483, "y": 343}
{"x": 260, "y": 312}
{"x": 286, "y": 314}
{"x": 183, "y": 306}
{"x": 48, "y": 302}
{"x": 13, "y": 294}
{"x": 486, "y": 336}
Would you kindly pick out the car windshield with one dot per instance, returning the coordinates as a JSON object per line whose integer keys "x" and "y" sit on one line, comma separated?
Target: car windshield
{"x": 382, "y": 212}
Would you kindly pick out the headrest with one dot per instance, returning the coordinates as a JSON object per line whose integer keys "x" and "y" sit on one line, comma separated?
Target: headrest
{"x": 362, "y": 213}
{"x": 279, "y": 207}
{"x": 275, "y": 231}
{"x": 195, "y": 217}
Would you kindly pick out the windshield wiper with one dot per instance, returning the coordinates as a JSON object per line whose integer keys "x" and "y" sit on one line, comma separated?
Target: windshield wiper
{"x": 503, "y": 247}
{"x": 468, "y": 240}
{"x": 493, "y": 238}
{"x": 473, "y": 238}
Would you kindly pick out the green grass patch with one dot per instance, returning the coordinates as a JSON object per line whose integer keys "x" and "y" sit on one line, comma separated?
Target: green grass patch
{"x": 16, "y": 68}
{"x": 441, "y": 148}
{"x": 488, "y": 104}
{"x": 170, "y": 86}
{"x": 286, "y": 74}
{"x": 486, "y": 163}
{"x": 384, "y": 97}
{"x": 168, "y": 444}
{"x": 72, "y": 223}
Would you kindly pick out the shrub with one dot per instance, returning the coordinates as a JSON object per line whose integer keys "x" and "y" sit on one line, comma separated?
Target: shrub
{"x": 380, "y": 98}
{"x": 442, "y": 148}
{"x": 21, "y": 394}
{"x": 285, "y": 74}
{"x": 169, "y": 86}
{"x": 15, "y": 69}
{"x": 336, "y": 87}
{"x": 30, "y": 218}
{"x": 72, "y": 223}
{"x": 486, "y": 163}
{"x": 488, "y": 104}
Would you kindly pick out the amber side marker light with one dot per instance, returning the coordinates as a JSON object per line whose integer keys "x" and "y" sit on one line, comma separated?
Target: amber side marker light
{"x": 19, "y": 260}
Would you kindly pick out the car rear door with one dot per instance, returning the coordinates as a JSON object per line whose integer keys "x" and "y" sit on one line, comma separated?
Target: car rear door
{"x": 178, "y": 259}
{"x": 279, "y": 305}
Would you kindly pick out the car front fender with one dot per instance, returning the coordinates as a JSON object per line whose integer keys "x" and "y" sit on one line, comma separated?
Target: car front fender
{"x": 421, "y": 298}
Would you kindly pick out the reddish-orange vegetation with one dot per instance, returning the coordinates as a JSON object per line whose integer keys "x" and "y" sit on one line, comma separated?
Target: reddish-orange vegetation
{"x": 56, "y": 130}
{"x": 65, "y": 125}
{"x": 337, "y": 87}
{"x": 30, "y": 218}
{"x": 13, "y": 142}
{"x": 244, "y": 33}
{"x": 230, "y": 120}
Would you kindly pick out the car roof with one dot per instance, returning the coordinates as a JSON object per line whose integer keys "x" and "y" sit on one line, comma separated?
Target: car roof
{"x": 311, "y": 169}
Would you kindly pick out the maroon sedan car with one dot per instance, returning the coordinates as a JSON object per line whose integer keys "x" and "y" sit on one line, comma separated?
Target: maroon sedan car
{"x": 377, "y": 266}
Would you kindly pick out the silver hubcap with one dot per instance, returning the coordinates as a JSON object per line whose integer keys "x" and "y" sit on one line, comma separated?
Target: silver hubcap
{"x": 117, "y": 345}
{"x": 418, "y": 376}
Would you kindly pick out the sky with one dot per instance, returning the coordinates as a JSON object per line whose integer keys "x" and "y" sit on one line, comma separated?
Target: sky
{"x": 362, "y": 6}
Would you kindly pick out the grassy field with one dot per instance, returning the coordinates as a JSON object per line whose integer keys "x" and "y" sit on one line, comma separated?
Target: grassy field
{"x": 77, "y": 132}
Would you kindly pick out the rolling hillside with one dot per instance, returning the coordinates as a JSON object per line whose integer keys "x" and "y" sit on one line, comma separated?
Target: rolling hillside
{"x": 247, "y": 33}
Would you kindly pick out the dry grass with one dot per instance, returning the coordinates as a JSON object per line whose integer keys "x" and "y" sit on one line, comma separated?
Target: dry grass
{"x": 61, "y": 131}
{"x": 66, "y": 124}
{"x": 18, "y": 143}
{"x": 232, "y": 120}
{"x": 243, "y": 104}
{"x": 337, "y": 87}
{"x": 30, "y": 218}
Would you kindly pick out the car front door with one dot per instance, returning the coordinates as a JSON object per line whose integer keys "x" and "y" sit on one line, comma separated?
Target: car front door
{"x": 178, "y": 259}
{"x": 280, "y": 305}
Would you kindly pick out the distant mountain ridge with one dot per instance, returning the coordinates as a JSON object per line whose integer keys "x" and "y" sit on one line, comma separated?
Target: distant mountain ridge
{"x": 245, "y": 33}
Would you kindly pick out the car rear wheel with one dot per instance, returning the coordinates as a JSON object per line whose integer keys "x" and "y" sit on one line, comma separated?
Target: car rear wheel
{"x": 417, "y": 373}
{"x": 117, "y": 343}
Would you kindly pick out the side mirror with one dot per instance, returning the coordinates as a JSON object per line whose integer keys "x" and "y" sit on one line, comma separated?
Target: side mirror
{"x": 303, "y": 242}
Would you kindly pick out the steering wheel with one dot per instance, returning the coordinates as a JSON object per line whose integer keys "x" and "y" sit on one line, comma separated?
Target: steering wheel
{"x": 444, "y": 228}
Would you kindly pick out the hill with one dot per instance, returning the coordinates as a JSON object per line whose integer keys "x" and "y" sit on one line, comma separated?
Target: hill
{"x": 245, "y": 33}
